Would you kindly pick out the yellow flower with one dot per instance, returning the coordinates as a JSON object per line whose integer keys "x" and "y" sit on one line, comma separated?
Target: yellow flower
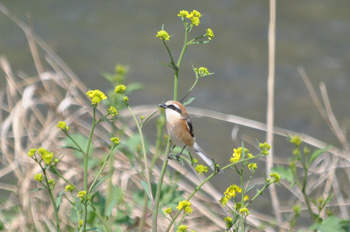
{"x": 200, "y": 169}
{"x": 183, "y": 204}
{"x": 115, "y": 140}
{"x": 96, "y": 96}
{"x": 202, "y": 71}
{"x": 31, "y": 152}
{"x": 167, "y": 211}
{"x": 276, "y": 177}
{"x": 231, "y": 191}
{"x": 112, "y": 111}
{"x": 62, "y": 125}
{"x": 80, "y": 222}
{"x": 120, "y": 89}
{"x": 296, "y": 140}
{"x": 182, "y": 13}
{"x": 264, "y": 147}
{"x": 42, "y": 151}
{"x": 69, "y": 188}
{"x": 38, "y": 177}
{"x": 121, "y": 69}
{"x": 126, "y": 99}
{"x": 252, "y": 167}
{"x": 246, "y": 198}
{"x": 194, "y": 160}
{"x": 47, "y": 157}
{"x": 228, "y": 221}
{"x": 188, "y": 209}
{"x": 209, "y": 33}
{"x": 81, "y": 194}
{"x": 163, "y": 35}
{"x": 244, "y": 211}
{"x": 52, "y": 182}
{"x": 194, "y": 17}
{"x": 182, "y": 228}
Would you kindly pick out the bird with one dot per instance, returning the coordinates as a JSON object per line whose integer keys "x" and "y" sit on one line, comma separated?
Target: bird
{"x": 180, "y": 131}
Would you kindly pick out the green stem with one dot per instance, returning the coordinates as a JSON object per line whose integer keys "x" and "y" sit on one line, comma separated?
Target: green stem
{"x": 242, "y": 198}
{"x": 81, "y": 150}
{"x": 306, "y": 198}
{"x": 101, "y": 219}
{"x": 55, "y": 210}
{"x": 144, "y": 154}
{"x": 159, "y": 190}
{"x": 62, "y": 177}
{"x": 86, "y": 159}
{"x": 176, "y": 76}
{"x": 190, "y": 90}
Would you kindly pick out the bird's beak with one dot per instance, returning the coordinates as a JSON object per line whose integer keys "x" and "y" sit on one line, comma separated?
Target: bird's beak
{"x": 162, "y": 106}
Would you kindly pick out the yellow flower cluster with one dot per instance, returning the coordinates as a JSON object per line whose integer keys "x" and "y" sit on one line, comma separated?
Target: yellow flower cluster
{"x": 120, "y": 89}
{"x": 252, "y": 167}
{"x": 31, "y": 152}
{"x": 168, "y": 211}
{"x": 186, "y": 205}
{"x": 229, "y": 193}
{"x": 296, "y": 140}
{"x": 112, "y": 111}
{"x": 182, "y": 228}
{"x": 244, "y": 211}
{"x": 237, "y": 153}
{"x": 264, "y": 148}
{"x": 209, "y": 33}
{"x": 38, "y": 177}
{"x": 202, "y": 71}
{"x": 163, "y": 35}
{"x": 46, "y": 155}
{"x": 246, "y": 198}
{"x": 96, "y": 96}
{"x": 200, "y": 169}
{"x": 228, "y": 221}
{"x": 194, "y": 16}
{"x": 276, "y": 177}
{"x": 115, "y": 140}
{"x": 81, "y": 194}
{"x": 63, "y": 126}
{"x": 69, "y": 188}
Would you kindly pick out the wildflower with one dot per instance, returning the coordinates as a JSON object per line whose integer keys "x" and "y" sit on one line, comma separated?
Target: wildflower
{"x": 115, "y": 140}
{"x": 47, "y": 157}
{"x": 244, "y": 211}
{"x": 42, "y": 151}
{"x": 202, "y": 71}
{"x": 96, "y": 96}
{"x": 223, "y": 201}
{"x": 112, "y": 111}
{"x": 69, "y": 188}
{"x": 31, "y": 152}
{"x": 296, "y": 151}
{"x": 306, "y": 150}
{"x": 56, "y": 161}
{"x": 264, "y": 148}
{"x": 163, "y": 35}
{"x": 142, "y": 118}
{"x": 246, "y": 198}
{"x": 62, "y": 125}
{"x": 120, "y": 89}
{"x": 231, "y": 191}
{"x": 201, "y": 168}
{"x": 126, "y": 99}
{"x": 194, "y": 17}
{"x": 276, "y": 177}
{"x": 297, "y": 209}
{"x": 228, "y": 221}
{"x": 194, "y": 160}
{"x": 80, "y": 224}
{"x": 296, "y": 140}
{"x": 81, "y": 194}
{"x": 250, "y": 155}
{"x": 237, "y": 154}
{"x": 186, "y": 205}
{"x": 38, "y": 177}
{"x": 209, "y": 33}
{"x": 182, "y": 13}
{"x": 167, "y": 211}
{"x": 182, "y": 228}
{"x": 121, "y": 69}
{"x": 252, "y": 167}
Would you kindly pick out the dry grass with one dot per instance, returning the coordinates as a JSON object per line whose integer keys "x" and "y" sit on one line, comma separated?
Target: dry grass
{"x": 31, "y": 107}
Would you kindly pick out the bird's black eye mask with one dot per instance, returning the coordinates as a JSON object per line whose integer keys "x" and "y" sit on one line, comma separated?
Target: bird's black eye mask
{"x": 173, "y": 107}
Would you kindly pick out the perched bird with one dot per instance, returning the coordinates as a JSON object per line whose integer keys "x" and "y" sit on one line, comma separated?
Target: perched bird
{"x": 180, "y": 131}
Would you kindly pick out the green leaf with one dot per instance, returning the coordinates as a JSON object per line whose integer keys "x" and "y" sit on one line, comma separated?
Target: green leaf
{"x": 189, "y": 101}
{"x": 133, "y": 86}
{"x": 59, "y": 200}
{"x": 110, "y": 207}
{"x": 318, "y": 152}
{"x": 145, "y": 187}
{"x": 285, "y": 173}
{"x": 250, "y": 188}
{"x": 100, "y": 182}
{"x": 200, "y": 42}
{"x": 37, "y": 189}
{"x": 330, "y": 224}
{"x": 82, "y": 141}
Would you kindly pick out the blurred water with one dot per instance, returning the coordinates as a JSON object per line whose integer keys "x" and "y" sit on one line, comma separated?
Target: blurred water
{"x": 92, "y": 36}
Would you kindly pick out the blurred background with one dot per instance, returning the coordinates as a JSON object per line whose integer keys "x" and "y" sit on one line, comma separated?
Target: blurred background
{"x": 93, "y": 36}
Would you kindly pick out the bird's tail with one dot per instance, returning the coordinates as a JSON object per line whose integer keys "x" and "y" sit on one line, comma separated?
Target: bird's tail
{"x": 196, "y": 149}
